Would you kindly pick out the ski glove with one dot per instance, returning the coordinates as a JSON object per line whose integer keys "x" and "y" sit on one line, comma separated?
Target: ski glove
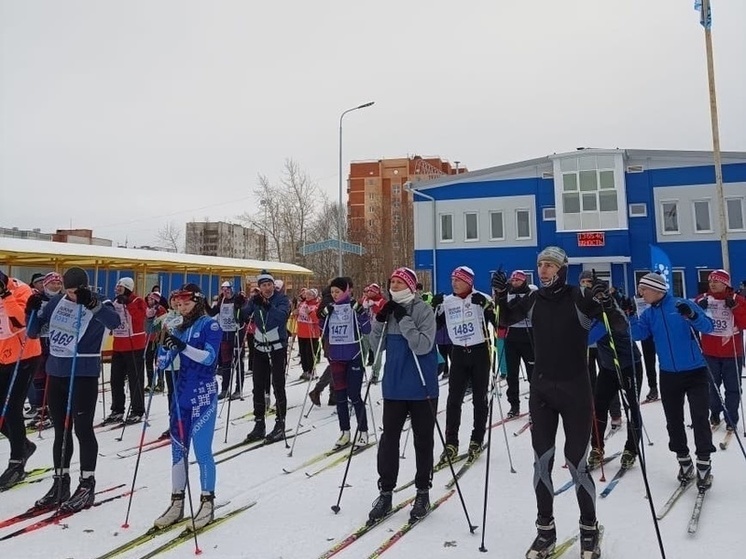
{"x": 173, "y": 343}
{"x": 730, "y": 301}
{"x": 325, "y": 311}
{"x": 437, "y": 300}
{"x": 84, "y": 296}
{"x": 479, "y": 299}
{"x": 703, "y": 303}
{"x": 240, "y": 301}
{"x": 260, "y": 301}
{"x": 387, "y": 310}
{"x": 499, "y": 281}
{"x": 33, "y": 303}
{"x": 685, "y": 310}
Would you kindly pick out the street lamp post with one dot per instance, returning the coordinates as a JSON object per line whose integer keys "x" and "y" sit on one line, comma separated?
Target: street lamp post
{"x": 341, "y": 210}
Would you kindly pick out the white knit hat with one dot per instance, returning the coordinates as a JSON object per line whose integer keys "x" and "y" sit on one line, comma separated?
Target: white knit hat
{"x": 654, "y": 281}
{"x": 127, "y": 283}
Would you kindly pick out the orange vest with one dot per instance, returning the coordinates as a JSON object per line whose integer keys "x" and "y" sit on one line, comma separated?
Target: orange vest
{"x": 13, "y": 340}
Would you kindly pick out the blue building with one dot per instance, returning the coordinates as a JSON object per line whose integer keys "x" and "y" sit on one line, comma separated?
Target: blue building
{"x": 604, "y": 207}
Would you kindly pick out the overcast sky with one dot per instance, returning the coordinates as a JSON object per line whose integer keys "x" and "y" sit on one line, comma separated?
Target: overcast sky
{"x": 122, "y": 116}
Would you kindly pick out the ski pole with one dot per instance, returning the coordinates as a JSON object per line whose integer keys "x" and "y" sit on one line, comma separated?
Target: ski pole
{"x": 434, "y": 413}
{"x": 14, "y": 376}
{"x": 234, "y": 369}
{"x": 156, "y": 378}
{"x": 137, "y": 372}
{"x": 406, "y": 440}
{"x": 184, "y": 454}
{"x": 376, "y": 356}
{"x": 637, "y": 390}
{"x": 67, "y": 426}
{"x": 305, "y": 398}
{"x": 43, "y": 407}
{"x": 103, "y": 392}
{"x": 635, "y": 433}
{"x": 739, "y": 365}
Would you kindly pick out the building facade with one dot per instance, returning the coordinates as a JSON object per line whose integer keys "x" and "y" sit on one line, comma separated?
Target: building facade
{"x": 380, "y": 210}
{"x": 605, "y": 208}
{"x": 218, "y": 238}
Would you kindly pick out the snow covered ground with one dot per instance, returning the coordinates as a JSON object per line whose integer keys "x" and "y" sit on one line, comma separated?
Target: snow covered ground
{"x": 293, "y": 518}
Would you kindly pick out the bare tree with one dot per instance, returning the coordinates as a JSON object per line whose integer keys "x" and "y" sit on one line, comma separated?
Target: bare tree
{"x": 169, "y": 236}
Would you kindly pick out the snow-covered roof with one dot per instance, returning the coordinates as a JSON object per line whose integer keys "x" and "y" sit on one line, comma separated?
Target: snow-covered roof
{"x": 24, "y": 252}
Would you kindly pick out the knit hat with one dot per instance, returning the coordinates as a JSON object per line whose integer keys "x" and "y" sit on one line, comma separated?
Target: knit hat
{"x": 127, "y": 283}
{"x": 408, "y": 276}
{"x": 374, "y": 289}
{"x": 340, "y": 283}
{"x": 312, "y": 294}
{"x": 654, "y": 281}
{"x": 36, "y": 277}
{"x": 518, "y": 274}
{"x": 717, "y": 275}
{"x": 465, "y": 274}
{"x": 553, "y": 254}
{"x": 585, "y": 275}
{"x": 50, "y": 277}
{"x": 226, "y": 284}
{"x": 263, "y": 276}
{"x": 75, "y": 277}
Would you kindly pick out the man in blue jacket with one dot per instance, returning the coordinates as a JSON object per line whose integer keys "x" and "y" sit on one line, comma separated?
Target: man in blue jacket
{"x": 683, "y": 371}
{"x": 270, "y": 310}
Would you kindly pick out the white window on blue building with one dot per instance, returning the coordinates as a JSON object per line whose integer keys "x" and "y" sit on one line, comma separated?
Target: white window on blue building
{"x": 471, "y": 226}
{"x": 589, "y": 190}
{"x": 549, "y": 214}
{"x": 523, "y": 224}
{"x": 497, "y": 228}
{"x": 734, "y": 214}
{"x": 702, "y": 218}
{"x": 670, "y": 217}
{"x": 446, "y": 228}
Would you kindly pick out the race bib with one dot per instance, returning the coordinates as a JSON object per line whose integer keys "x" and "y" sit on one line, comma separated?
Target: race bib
{"x": 227, "y": 317}
{"x": 124, "y": 330}
{"x": 64, "y": 328}
{"x": 341, "y": 325}
{"x": 722, "y": 318}
{"x": 464, "y": 321}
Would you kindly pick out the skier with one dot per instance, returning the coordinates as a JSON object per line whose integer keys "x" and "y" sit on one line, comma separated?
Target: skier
{"x": 80, "y": 342}
{"x": 196, "y": 342}
{"x": 407, "y": 325}
{"x": 723, "y": 348}
{"x": 348, "y": 321}
{"x": 683, "y": 371}
{"x": 127, "y": 357}
{"x": 269, "y": 309}
{"x": 518, "y": 344}
{"x": 373, "y": 301}
{"x": 466, "y": 313}
{"x": 227, "y": 310}
{"x": 15, "y": 350}
{"x": 560, "y": 316}
{"x": 162, "y": 325}
{"x": 154, "y": 310}
{"x": 308, "y": 331}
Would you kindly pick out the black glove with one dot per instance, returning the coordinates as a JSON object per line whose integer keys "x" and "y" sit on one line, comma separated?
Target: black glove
{"x": 499, "y": 281}
{"x": 84, "y": 296}
{"x": 685, "y": 310}
{"x": 386, "y": 311}
{"x": 628, "y": 305}
{"x": 600, "y": 290}
{"x": 703, "y": 303}
{"x": 240, "y": 301}
{"x": 399, "y": 312}
{"x": 173, "y": 343}
{"x": 437, "y": 300}
{"x": 260, "y": 301}
{"x": 325, "y": 311}
{"x": 730, "y": 301}
{"x": 479, "y": 299}
{"x": 33, "y": 303}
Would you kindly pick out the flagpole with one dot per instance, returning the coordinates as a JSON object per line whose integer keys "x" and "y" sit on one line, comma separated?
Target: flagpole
{"x": 716, "y": 138}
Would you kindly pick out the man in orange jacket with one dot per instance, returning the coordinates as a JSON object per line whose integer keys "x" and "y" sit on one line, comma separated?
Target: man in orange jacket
{"x": 16, "y": 350}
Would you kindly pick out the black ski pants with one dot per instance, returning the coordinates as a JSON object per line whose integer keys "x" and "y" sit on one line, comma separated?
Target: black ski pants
{"x": 422, "y": 414}
{"x": 308, "y": 349}
{"x": 572, "y": 401}
{"x": 14, "y": 427}
{"x": 516, "y": 348}
{"x": 82, "y": 411}
{"x": 607, "y": 386}
{"x": 231, "y": 360}
{"x": 615, "y": 407}
{"x": 468, "y": 364}
{"x": 648, "y": 356}
{"x": 695, "y": 386}
{"x": 269, "y": 369}
{"x": 129, "y": 365}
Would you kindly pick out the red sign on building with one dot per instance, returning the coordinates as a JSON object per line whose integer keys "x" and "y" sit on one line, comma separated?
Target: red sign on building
{"x": 592, "y": 239}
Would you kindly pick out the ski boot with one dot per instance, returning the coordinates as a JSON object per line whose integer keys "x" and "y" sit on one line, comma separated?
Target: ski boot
{"x": 421, "y": 506}
{"x": 381, "y": 507}
{"x": 343, "y": 440}
{"x": 362, "y": 439}
{"x": 652, "y": 394}
{"x": 83, "y": 497}
{"x": 450, "y": 451}
{"x": 686, "y": 468}
{"x": 515, "y": 411}
{"x": 277, "y": 433}
{"x": 546, "y": 539}
{"x": 113, "y": 418}
{"x": 595, "y": 458}
{"x": 628, "y": 459}
{"x": 590, "y": 540}
{"x": 206, "y": 513}
{"x": 704, "y": 474}
{"x": 475, "y": 449}
{"x": 174, "y": 513}
{"x": 257, "y": 434}
{"x": 315, "y": 396}
{"x": 59, "y": 493}
{"x": 13, "y": 474}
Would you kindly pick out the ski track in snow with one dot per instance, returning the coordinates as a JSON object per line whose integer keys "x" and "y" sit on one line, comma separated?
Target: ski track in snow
{"x": 293, "y": 517}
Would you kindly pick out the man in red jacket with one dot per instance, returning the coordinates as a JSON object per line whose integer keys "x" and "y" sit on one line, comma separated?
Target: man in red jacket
{"x": 127, "y": 358}
{"x": 723, "y": 348}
